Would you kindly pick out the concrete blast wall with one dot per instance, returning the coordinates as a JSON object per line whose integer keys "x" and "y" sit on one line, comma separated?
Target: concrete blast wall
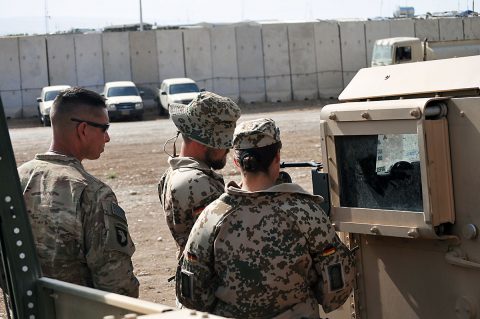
{"x": 61, "y": 60}
{"x": 116, "y": 56}
{"x": 276, "y": 57}
{"x": 251, "y": 70}
{"x": 171, "y": 63}
{"x": 143, "y": 58}
{"x": 198, "y": 57}
{"x": 301, "y": 40}
{"x": 33, "y": 72}
{"x": 224, "y": 62}
{"x": 10, "y": 80}
{"x": 354, "y": 55}
{"x": 89, "y": 58}
{"x": 246, "y": 62}
{"x": 329, "y": 60}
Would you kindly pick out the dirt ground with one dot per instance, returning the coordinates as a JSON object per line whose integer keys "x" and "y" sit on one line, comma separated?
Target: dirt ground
{"x": 134, "y": 160}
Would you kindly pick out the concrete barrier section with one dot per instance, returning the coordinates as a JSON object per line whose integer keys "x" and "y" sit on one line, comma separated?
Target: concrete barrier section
{"x": 61, "y": 60}
{"x": 89, "y": 57}
{"x": 471, "y": 27}
{"x": 33, "y": 70}
{"x": 250, "y": 63}
{"x": 198, "y": 58}
{"x": 427, "y": 29}
{"x": 9, "y": 65}
{"x": 171, "y": 63}
{"x": 224, "y": 62}
{"x": 116, "y": 56}
{"x": 375, "y": 30}
{"x": 402, "y": 28}
{"x": 354, "y": 55}
{"x": 277, "y": 62}
{"x": 10, "y": 82}
{"x": 329, "y": 63}
{"x": 12, "y": 103}
{"x": 301, "y": 41}
{"x": 143, "y": 54}
{"x": 450, "y": 29}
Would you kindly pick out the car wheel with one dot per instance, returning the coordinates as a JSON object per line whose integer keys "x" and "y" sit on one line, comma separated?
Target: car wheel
{"x": 40, "y": 117}
{"x": 161, "y": 110}
{"x": 46, "y": 121}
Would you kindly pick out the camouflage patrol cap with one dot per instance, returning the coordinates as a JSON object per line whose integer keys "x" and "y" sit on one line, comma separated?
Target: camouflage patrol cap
{"x": 255, "y": 134}
{"x": 209, "y": 119}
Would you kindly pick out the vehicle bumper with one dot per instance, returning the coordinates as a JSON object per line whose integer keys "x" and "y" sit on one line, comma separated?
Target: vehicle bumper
{"x": 115, "y": 114}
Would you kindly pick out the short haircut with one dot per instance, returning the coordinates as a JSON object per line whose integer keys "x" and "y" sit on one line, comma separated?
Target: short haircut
{"x": 255, "y": 160}
{"x": 74, "y": 101}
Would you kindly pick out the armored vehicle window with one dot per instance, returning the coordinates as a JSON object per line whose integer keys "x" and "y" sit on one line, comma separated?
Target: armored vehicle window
{"x": 380, "y": 172}
{"x": 382, "y": 54}
{"x": 403, "y": 54}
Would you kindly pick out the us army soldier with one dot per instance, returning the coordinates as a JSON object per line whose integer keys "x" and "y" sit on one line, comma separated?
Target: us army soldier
{"x": 190, "y": 183}
{"x": 264, "y": 249}
{"x": 80, "y": 232}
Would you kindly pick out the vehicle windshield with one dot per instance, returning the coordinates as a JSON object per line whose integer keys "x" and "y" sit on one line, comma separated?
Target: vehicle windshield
{"x": 183, "y": 88}
{"x": 122, "y": 91}
{"x": 51, "y": 95}
{"x": 382, "y": 55}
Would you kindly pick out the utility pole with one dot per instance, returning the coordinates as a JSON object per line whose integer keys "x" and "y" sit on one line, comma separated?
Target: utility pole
{"x": 46, "y": 17}
{"x": 141, "y": 16}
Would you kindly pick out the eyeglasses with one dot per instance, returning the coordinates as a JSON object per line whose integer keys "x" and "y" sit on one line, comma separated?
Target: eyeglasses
{"x": 103, "y": 127}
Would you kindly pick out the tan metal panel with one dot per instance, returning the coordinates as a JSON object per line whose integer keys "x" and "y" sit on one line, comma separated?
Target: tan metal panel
{"x": 396, "y": 80}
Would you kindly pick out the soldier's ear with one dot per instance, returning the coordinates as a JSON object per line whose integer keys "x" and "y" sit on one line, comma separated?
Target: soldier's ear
{"x": 276, "y": 159}
{"x": 81, "y": 130}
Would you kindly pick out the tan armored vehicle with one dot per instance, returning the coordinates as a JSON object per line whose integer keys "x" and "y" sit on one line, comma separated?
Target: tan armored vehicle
{"x": 402, "y": 153}
{"x": 408, "y": 49}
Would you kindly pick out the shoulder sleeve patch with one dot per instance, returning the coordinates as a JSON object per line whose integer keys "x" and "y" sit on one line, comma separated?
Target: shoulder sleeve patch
{"x": 118, "y": 237}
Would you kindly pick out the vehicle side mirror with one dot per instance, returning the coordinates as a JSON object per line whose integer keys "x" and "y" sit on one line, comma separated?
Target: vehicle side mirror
{"x": 39, "y": 99}
{"x": 102, "y": 94}
{"x": 163, "y": 93}
{"x": 202, "y": 90}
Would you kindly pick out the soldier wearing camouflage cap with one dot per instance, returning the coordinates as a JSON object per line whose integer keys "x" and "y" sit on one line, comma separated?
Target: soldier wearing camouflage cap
{"x": 80, "y": 232}
{"x": 264, "y": 250}
{"x": 190, "y": 183}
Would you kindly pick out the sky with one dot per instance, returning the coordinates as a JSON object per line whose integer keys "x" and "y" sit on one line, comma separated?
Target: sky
{"x": 50, "y": 16}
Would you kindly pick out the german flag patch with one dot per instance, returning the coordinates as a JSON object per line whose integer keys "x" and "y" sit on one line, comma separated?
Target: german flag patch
{"x": 329, "y": 250}
{"x": 197, "y": 211}
{"x": 191, "y": 257}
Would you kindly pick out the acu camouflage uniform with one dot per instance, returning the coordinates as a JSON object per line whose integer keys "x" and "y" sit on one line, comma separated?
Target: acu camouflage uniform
{"x": 189, "y": 185}
{"x": 81, "y": 234}
{"x": 265, "y": 254}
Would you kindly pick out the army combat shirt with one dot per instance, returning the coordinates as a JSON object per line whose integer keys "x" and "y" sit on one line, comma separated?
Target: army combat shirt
{"x": 262, "y": 255}
{"x": 185, "y": 189}
{"x": 80, "y": 232}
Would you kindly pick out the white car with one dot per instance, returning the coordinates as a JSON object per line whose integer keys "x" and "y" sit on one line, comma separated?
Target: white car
{"x": 45, "y": 101}
{"x": 176, "y": 90}
{"x": 123, "y": 99}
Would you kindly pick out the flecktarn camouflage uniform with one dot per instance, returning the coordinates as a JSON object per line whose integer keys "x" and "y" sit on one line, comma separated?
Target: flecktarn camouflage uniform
{"x": 81, "y": 233}
{"x": 185, "y": 189}
{"x": 266, "y": 254}
{"x": 189, "y": 185}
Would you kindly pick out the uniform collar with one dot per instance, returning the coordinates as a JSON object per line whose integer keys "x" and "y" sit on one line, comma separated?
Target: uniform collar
{"x": 56, "y": 157}
{"x": 234, "y": 189}
{"x": 177, "y": 162}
